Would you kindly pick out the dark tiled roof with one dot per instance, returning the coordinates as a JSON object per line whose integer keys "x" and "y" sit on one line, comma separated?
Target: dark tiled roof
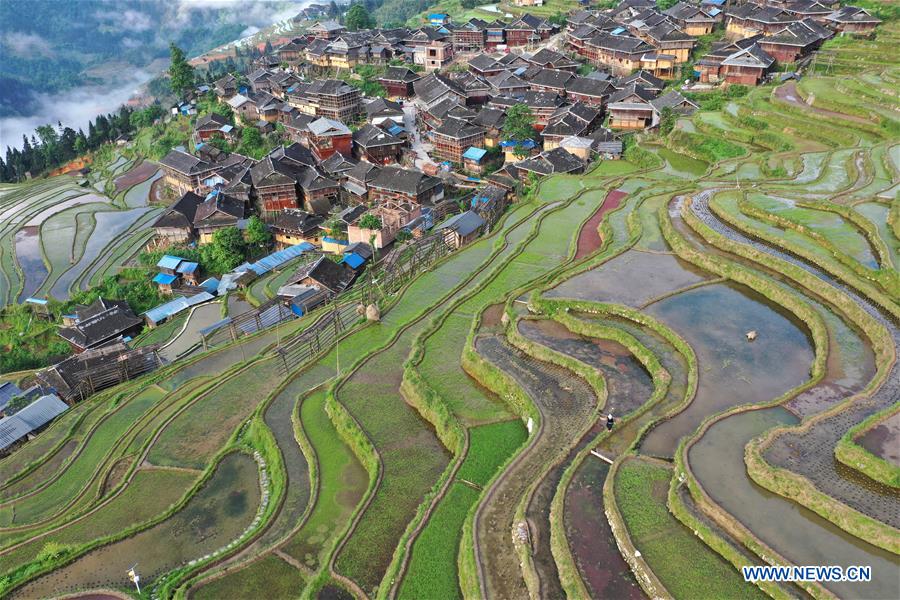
{"x": 219, "y": 208}
{"x": 337, "y": 164}
{"x": 184, "y": 163}
{"x": 588, "y": 87}
{"x": 383, "y": 108}
{"x": 370, "y": 136}
{"x": 101, "y": 323}
{"x": 406, "y": 181}
{"x": 457, "y": 129}
{"x": 295, "y": 220}
{"x": 181, "y": 214}
{"x": 210, "y": 121}
{"x": 327, "y": 273}
{"x": 401, "y": 74}
{"x": 552, "y": 78}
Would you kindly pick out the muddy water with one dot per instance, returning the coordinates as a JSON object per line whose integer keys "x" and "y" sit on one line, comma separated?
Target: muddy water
{"x": 601, "y": 566}
{"x": 28, "y": 255}
{"x": 278, "y": 418}
{"x": 714, "y": 320}
{"x": 798, "y": 534}
{"x": 566, "y": 406}
{"x": 629, "y": 386}
{"x": 632, "y": 278}
{"x": 628, "y": 383}
{"x": 881, "y": 440}
{"x": 217, "y": 514}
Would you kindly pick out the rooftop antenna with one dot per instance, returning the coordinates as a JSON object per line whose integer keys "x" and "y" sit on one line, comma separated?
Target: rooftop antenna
{"x": 135, "y": 578}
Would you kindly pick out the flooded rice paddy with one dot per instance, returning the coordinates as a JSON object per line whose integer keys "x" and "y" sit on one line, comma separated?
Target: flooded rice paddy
{"x": 798, "y": 534}
{"x": 632, "y": 278}
{"x": 714, "y": 320}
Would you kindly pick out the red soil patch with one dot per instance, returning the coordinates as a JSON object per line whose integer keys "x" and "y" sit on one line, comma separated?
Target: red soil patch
{"x": 78, "y": 163}
{"x": 140, "y": 173}
{"x": 589, "y": 238}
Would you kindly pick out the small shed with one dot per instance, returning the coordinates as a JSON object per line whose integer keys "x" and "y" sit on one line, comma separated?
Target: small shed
{"x": 473, "y": 158}
{"x": 462, "y": 229}
{"x": 189, "y": 272}
{"x": 166, "y": 282}
{"x": 40, "y": 307}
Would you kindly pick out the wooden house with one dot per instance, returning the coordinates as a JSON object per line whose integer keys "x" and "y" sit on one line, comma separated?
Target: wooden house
{"x": 216, "y": 212}
{"x": 183, "y": 172}
{"x": 795, "y": 41}
{"x": 101, "y": 323}
{"x": 398, "y": 81}
{"x": 851, "y": 19}
{"x": 327, "y": 136}
{"x": 377, "y": 146}
{"x": 453, "y": 138}
{"x": 692, "y": 19}
{"x": 275, "y": 187}
{"x": 630, "y": 108}
{"x": 294, "y": 226}
{"x": 405, "y": 185}
{"x": 176, "y": 224}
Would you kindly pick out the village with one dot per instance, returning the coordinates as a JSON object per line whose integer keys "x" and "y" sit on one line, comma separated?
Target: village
{"x": 470, "y": 117}
{"x": 544, "y": 304}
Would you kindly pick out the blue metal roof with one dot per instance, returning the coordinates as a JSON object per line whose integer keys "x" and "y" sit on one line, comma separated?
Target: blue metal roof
{"x": 437, "y": 16}
{"x": 173, "y": 307}
{"x": 332, "y": 240}
{"x": 187, "y": 267}
{"x": 276, "y": 259}
{"x": 353, "y": 260}
{"x": 513, "y": 143}
{"x": 395, "y": 129}
{"x": 169, "y": 262}
{"x": 164, "y": 278}
{"x": 474, "y": 153}
{"x": 40, "y": 301}
{"x": 617, "y": 31}
{"x": 211, "y": 285}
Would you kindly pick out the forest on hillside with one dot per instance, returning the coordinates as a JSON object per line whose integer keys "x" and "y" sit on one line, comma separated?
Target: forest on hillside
{"x": 50, "y": 46}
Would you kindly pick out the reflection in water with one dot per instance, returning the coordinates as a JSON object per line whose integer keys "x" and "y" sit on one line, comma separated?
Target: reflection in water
{"x": 714, "y": 320}
{"x": 28, "y": 255}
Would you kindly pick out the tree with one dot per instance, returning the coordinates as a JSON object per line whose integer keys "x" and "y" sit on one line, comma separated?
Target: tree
{"x": 667, "y": 120}
{"x": 252, "y": 143}
{"x": 181, "y": 73}
{"x": 226, "y": 250}
{"x": 258, "y": 234}
{"x": 370, "y": 221}
{"x": 519, "y": 126}
{"x": 403, "y": 235}
{"x": 358, "y": 18}
{"x": 268, "y": 48}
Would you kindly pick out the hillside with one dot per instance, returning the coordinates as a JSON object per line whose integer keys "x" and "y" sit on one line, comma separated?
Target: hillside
{"x": 51, "y": 47}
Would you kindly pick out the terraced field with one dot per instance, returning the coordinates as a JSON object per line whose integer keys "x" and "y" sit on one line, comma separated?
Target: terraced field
{"x": 739, "y": 317}
{"x": 57, "y": 237}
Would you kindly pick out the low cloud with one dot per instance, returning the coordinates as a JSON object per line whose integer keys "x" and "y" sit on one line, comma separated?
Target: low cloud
{"x": 129, "y": 19}
{"x": 74, "y": 108}
{"x": 255, "y": 13}
{"x": 25, "y": 44}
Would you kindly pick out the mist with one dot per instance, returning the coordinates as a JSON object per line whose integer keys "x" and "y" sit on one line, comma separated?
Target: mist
{"x": 74, "y": 108}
